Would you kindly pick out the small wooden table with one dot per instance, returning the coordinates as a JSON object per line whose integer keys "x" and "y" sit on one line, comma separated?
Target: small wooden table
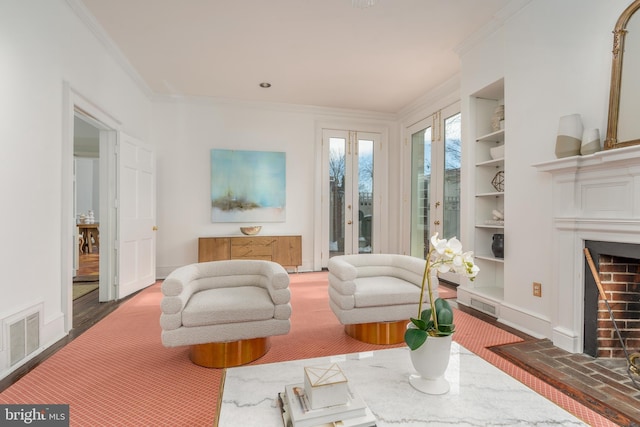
{"x": 90, "y": 235}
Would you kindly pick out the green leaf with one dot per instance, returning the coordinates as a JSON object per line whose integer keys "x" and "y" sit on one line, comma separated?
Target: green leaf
{"x": 441, "y": 303}
{"x": 415, "y": 338}
{"x": 445, "y": 316}
{"x": 446, "y": 329}
{"x": 419, "y": 323}
{"x": 426, "y": 314}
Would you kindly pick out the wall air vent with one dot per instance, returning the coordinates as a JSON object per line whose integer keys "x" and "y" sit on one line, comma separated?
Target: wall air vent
{"x": 24, "y": 337}
{"x": 483, "y": 306}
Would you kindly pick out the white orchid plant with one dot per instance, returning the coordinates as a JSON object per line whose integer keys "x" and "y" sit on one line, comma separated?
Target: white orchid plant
{"x": 437, "y": 320}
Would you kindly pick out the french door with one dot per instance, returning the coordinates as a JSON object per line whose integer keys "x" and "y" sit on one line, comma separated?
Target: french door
{"x": 349, "y": 174}
{"x": 435, "y": 179}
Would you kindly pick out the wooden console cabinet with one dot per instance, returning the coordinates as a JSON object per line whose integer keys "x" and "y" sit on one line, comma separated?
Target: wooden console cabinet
{"x": 285, "y": 250}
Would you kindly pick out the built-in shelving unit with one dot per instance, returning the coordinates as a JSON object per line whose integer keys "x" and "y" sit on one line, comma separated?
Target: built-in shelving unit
{"x": 486, "y": 293}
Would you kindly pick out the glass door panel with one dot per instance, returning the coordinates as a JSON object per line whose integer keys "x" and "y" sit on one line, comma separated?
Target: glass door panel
{"x": 365, "y": 194}
{"x": 451, "y": 183}
{"x": 420, "y": 188}
{"x": 337, "y": 162}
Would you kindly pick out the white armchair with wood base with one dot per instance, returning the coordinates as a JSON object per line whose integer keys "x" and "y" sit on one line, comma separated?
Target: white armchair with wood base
{"x": 374, "y": 295}
{"x": 225, "y": 310}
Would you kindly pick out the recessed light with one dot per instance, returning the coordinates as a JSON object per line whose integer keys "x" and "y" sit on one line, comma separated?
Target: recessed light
{"x": 265, "y": 85}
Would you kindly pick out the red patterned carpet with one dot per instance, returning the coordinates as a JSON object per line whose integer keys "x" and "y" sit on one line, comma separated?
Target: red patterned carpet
{"x": 119, "y": 374}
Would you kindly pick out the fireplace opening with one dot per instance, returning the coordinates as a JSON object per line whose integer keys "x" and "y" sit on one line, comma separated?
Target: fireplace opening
{"x": 618, "y": 265}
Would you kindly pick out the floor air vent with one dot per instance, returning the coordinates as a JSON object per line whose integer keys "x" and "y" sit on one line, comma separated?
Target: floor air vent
{"x": 483, "y": 306}
{"x": 24, "y": 337}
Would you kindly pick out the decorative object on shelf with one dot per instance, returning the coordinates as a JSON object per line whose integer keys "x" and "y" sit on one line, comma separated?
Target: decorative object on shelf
{"x": 590, "y": 142}
{"x": 498, "y": 116}
{"x": 498, "y": 218}
{"x": 251, "y": 231}
{"x": 436, "y": 322}
{"x": 497, "y": 246}
{"x": 497, "y": 152}
{"x": 569, "y": 136}
{"x": 498, "y": 181}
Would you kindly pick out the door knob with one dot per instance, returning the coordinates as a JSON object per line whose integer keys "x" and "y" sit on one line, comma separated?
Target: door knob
{"x": 349, "y": 222}
{"x": 436, "y": 222}
{"x": 438, "y": 204}
{"x": 155, "y": 228}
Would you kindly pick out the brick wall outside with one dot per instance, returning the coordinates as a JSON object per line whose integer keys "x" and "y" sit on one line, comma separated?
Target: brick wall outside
{"x": 620, "y": 279}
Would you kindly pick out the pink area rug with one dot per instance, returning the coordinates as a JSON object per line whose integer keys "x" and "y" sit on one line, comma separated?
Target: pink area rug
{"x": 119, "y": 374}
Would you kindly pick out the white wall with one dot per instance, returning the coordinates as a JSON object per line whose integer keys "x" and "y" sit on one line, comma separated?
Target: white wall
{"x": 87, "y": 187}
{"x": 555, "y": 58}
{"x": 186, "y": 130}
{"x": 42, "y": 45}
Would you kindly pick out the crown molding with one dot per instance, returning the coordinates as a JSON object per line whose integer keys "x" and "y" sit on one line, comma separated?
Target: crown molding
{"x": 437, "y": 98}
{"x": 78, "y": 7}
{"x": 272, "y": 106}
{"x": 498, "y": 21}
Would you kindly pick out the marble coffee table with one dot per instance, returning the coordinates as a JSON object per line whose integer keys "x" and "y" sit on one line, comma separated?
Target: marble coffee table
{"x": 480, "y": 395}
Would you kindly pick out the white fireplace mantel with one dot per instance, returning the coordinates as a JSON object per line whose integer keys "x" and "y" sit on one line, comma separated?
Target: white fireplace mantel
{"x": 595, "y": 197}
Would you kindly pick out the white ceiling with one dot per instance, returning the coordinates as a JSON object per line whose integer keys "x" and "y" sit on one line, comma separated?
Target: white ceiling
{"x": 314, "y": 52}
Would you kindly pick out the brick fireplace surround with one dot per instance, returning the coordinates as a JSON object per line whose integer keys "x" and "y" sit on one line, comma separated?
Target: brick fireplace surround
{"x": 596, "y": 198}
{"x": 619, "y": 276}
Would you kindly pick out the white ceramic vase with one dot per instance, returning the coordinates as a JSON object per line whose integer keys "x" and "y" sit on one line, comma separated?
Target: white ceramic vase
{"x": 590, "y": 142}
{"x": 430, "y": 360}
{"x": 569, "y": 136}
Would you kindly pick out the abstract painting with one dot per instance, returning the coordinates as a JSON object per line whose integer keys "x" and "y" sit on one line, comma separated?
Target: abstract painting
{"x": 248, "y": 186}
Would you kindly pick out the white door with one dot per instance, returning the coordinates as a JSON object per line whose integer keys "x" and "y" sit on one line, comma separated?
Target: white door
{"x": 435, "y": 180}
{"x": 136, "y": 214}
{"x": 351, "y": 210}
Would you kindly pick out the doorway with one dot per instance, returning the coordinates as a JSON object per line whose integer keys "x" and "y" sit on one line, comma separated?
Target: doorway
{"x": 436, "y": 149}
{"x": 86, "y": 202}
{"x": 350, "y": 183}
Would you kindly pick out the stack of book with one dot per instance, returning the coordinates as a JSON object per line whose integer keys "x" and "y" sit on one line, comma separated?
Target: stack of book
{"x": 297, "y": 411}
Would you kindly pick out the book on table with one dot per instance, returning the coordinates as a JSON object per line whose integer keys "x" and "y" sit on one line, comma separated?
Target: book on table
{"x": 297, "y": 412}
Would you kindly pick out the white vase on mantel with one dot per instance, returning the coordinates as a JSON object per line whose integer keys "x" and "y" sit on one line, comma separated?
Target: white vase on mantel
{"x": 431, "y": 360}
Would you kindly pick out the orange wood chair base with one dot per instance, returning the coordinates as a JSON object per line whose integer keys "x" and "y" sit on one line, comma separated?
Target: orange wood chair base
{"x": 228, "y": 354}
{"x": 378, "y": 332}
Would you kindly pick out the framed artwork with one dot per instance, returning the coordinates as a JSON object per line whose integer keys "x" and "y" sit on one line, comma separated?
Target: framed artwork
{"x": 248, "y": 186}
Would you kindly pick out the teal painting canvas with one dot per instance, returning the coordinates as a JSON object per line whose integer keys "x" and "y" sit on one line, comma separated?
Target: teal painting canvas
{"x": 248, "y": 186}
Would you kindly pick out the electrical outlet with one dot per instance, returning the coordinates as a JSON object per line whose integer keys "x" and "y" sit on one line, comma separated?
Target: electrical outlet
{"x": 537, "y": 289}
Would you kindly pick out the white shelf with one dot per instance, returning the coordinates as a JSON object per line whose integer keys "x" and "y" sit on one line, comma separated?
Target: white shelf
{"x": 491, "y": 194}
{"x": 497, "y": 136}
{"x": 491, "y": 226}
{"x": 490, "y": 258}
{"x": 494, "y": 162}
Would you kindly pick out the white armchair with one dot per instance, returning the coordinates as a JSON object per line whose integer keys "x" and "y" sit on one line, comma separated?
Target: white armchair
{"x": 374, "y": 295}
{"x": 223, "y": 307}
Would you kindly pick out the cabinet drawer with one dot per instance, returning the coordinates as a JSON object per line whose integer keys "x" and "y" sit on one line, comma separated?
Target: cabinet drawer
{"x": 254, "y": 257}
{"x": 245, "y": 251}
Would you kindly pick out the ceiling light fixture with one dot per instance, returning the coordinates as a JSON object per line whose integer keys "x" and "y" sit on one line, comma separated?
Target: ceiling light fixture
{"x": 362, "y": 4}
{"x": 265, "y": 85}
